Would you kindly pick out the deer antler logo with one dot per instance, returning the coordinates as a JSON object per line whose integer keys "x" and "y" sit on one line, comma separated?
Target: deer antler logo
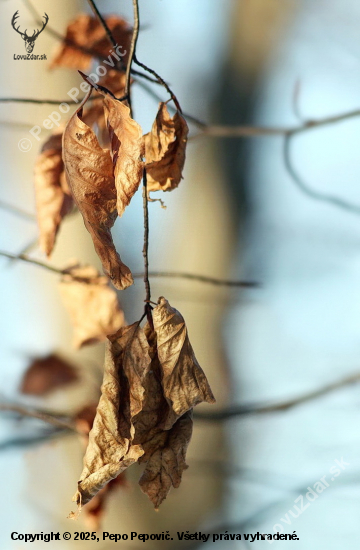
{"x": 29, "y": 40}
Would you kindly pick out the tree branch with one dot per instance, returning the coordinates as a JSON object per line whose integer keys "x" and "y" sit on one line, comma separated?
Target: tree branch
{"x": 44, "y": 101}
{"x": 17, "y": 211}
{"x": 242, "y": 410}
{"x": 157, "y": 274}
{"x": 63, "y": 421}
{"x": 45, "y": 417}
{"x": 304, "y": 188}
{"x": 146, "y": 245}
{"x": 132, "y": 50}
{"x": 104, "y": 24}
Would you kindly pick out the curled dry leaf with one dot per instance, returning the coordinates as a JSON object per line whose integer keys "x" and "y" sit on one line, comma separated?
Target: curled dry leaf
{"x": 165, "y": 147}
{"x": 86, "y": 38}
{"x": 166, "y": 460}
{"x": 94, "y": 510}
{"x": 53, "y": 197}
{"x": 89, "y": 171}
{"x": 184, "y": 382}
{"x": 47, "y": 374}
{"x": 94, "y": 114}
{"x": 110, "y": 450}
{"x": 152, "y": 381}
{"x": 92, "y": 305}
{"x": 127, "y": 150}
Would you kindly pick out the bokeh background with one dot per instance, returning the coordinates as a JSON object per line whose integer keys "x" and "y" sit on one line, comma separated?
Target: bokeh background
{"x": 238, "y": 214}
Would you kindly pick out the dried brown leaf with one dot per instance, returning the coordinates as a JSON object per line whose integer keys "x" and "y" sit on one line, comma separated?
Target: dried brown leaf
{"x": 94, "y": 114}
{"x": 53, "y": 197}
{"x": 165, "y": 457}
{"x": 87, "y": 32}
{"x": 92, "y": 305}
{"x": 152, "y": 381}
{"x": 89, "y": 171}
{"x": 127, "y": 149}
{"x": 183, "y": 380}
{"x": 47, "y": 374}
{"x": 165, "y": 147}
{"x": 110, "y": 450}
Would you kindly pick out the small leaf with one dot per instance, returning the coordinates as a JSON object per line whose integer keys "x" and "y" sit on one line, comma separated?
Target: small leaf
{"x": 53, "y": 197}
{"x": 47, "y": 374}
{"x": 89, "y": 172}
{"x": 165, "y": 149}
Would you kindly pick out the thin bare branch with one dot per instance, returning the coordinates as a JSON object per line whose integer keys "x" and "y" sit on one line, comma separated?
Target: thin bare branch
{"x": 104, "y": 24}
{"x": 17, "y": 211}
{"x": 304, "y": 188}
{"x": 242, "y": 410}
{"x": 44, "y": 101}
{"x": 146, "y": 247}
{"x": 45, "y": 417}
{"x": 132, "y": 50}
{"x": 63, "y": 421}
{"x": 201, "y": 279}
{"x": 25, "y": 258}
{"x": 259, "y": 131}
{"x": 157, "y": 274}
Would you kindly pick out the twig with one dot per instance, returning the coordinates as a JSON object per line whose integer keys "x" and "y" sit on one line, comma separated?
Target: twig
{"x": 146, "y": 248}
{"x": 200, "y": 279}
{"x": 160, "y": 81}
{"x": 132, "y": 50}
{"x": 157, "y": 274}
{"x": 104, "y": 24}
{"x": 242, "y": 410}
{"x": 17, "y": 211}
{"x": 45, "y": 417}
{"x": 216, "y": 416}
{"x": 331, "y": 199}
{"x": 44, "y": 101}
{"x": 259, "y": 131}
{"x": 25, "y": 258}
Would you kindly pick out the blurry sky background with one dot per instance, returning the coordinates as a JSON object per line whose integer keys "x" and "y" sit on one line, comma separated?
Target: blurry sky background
{"x": 239, "y": 215}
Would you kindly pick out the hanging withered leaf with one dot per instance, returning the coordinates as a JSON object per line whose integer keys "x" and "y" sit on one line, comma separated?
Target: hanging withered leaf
{"x": 92, "y": 305}
{"x": 47, "y": 374}
{"x": 94, "y": 114}
{"x": 165, "y": 457}
{"x": 126, "y": 147}
{"x": 86, "y": 38}
{"x": 95, "y": 509}
{"x": 110, "y": 450}
{"x": 152, "y": 381}
{"x": 53, "y": 197}
{"x": 89, "y": 172}
{"x": 165, "y": 147}
{"x": 183, "y": 380}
